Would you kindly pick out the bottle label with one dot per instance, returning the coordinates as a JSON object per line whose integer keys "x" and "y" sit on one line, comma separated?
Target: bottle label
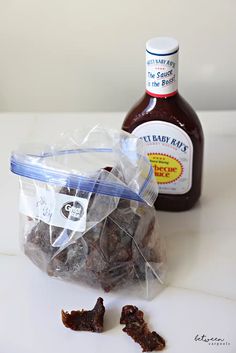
{"x": 170, "y": 150}
{"x": 161, "y": 74}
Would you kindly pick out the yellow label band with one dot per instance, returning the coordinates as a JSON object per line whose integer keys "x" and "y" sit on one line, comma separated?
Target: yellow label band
{"x": 167, "y": 169}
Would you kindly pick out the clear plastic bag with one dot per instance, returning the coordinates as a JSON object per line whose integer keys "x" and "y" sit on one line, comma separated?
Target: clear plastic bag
{"x": 87, "y": 214}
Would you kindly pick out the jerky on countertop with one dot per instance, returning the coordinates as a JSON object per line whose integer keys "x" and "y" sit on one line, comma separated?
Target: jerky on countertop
{"x": 85, "y": 320}
{"x": 137, "y": 328}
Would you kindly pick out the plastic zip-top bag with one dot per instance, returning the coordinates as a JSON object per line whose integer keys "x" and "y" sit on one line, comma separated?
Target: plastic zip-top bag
{"x": 86, "y": 209}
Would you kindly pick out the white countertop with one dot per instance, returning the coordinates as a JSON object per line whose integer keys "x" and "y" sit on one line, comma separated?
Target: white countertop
{"x": 201, "y": 248}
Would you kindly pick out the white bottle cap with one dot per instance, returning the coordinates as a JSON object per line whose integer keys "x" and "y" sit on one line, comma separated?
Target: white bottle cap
{"x": 162, "y": 45}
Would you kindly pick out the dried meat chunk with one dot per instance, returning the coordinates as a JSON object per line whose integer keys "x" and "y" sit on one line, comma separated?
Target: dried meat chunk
{"x": 82, "y": 320}
{"x": 137, "y": 328}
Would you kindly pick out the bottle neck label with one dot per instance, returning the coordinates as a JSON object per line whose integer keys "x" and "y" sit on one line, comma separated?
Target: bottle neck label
{"x": 161, "y": 74}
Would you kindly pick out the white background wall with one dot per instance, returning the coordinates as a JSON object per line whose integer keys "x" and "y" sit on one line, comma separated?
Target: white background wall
{"x": 74, "y": 55}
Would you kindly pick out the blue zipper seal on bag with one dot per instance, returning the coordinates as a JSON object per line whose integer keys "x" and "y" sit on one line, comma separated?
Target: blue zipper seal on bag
{"x": 48, "y": 175}
{"x": 51, "y": 176}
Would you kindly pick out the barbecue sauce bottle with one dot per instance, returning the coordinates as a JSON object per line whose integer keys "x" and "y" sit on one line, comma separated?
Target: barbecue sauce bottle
{"x": 170, "y": 128}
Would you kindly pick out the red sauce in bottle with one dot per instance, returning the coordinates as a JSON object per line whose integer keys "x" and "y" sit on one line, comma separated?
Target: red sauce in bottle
{"x": 170, "y": 128}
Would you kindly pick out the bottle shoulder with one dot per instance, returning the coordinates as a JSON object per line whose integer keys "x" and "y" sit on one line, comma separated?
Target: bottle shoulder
{"x": 175, "y": 110}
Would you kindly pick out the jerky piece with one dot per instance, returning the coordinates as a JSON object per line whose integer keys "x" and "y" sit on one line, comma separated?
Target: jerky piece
{"x": 38, "y": 246}
{"x": 137, "y": 328}
{"x": 91, "y": 320}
